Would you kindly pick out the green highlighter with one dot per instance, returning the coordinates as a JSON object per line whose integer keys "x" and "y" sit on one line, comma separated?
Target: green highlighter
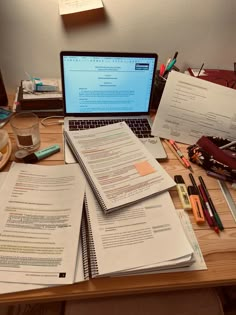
{"x": 41, "y": 154}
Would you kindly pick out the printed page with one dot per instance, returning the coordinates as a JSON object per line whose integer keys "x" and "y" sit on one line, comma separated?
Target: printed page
{"x": 118, "y": 165}
{"x": 197, "y": 260}
{"x": 41, "y": 208}
{"x": 73, "y": 6}
{"x": 3, "y": 176}
{"x": 191, "y": 107}
{"x": 140, "y": 235}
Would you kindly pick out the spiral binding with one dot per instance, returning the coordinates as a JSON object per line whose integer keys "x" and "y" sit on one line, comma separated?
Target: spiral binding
{"x": 85, "y": 249}
{"x": 92, "y": 251}
{"x": 86, "y": 173}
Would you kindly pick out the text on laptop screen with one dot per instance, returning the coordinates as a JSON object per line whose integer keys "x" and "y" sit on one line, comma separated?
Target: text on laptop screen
{"x": 100, "y": 84}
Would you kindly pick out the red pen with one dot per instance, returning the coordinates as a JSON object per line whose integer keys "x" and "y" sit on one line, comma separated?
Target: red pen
{"x": 209, "y": 215}
{"x": 180, "y": 154}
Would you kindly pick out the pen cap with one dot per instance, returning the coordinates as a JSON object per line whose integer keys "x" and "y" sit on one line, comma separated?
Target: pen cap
{"x": 192, "y": 190}
{"x": 179, "y": 179}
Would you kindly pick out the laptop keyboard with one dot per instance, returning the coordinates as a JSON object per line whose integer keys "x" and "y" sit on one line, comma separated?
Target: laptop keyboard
{"x": 140, "y": 127}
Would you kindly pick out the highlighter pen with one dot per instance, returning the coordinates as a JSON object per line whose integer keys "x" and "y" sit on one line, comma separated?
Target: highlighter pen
{"x": 196, "y": 205}
{"x": 183, "y": 193}
{"x": 41, "y": 154}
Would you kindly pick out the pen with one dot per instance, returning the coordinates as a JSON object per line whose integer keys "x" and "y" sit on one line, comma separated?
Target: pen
{"x": 177, "y": 149}
{"x": 228, "y": 145}
{"x": 215, "y": 214}
{"x": 167, "y": 62}
{"x": 197, "y": 189}
{"x": 220, "y": 177}
{"x": 196, "y": 204}
{"x": 170, "y": 66}
{"x": 182, "y": 192}
{"x": 209, "y": 215}
{"x": 175, "y": 55}
{"x": 199, "y": 72}
{"x": 162, "y": 69}
{"x": 174, "y": 151}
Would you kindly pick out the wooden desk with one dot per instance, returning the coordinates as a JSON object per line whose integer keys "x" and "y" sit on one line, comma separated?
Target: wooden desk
{"x": 219, "y": 251}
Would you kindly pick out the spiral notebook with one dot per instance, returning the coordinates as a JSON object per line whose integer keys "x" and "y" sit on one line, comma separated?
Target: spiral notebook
{"x": 122, "y": 242}
{"x": 117, "y": 165}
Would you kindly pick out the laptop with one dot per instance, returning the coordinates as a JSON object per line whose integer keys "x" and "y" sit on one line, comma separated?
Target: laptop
{"x": 100, "y": 88}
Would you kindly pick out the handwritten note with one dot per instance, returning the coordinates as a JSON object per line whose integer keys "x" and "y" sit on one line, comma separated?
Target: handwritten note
{"x": 73, "y": 6}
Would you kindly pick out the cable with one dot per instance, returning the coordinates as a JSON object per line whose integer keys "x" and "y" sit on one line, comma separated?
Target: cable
{"x": 58, "y": 122}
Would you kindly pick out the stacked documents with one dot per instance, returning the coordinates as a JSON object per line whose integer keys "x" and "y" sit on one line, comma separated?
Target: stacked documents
{"x": 145, "y": 237}
{"x": 118, "y": 167}
{"x": 41, "y": 208}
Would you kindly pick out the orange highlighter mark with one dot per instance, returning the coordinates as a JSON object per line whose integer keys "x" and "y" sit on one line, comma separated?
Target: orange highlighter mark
{"x": 144, "y": 168}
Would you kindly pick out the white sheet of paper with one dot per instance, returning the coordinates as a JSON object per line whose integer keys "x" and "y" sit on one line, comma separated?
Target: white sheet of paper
{"x": 199, "y": 263}
{"x": 73, "y": 6}
{"x": 41, "y": 208}
{"x": 191, "y": 107}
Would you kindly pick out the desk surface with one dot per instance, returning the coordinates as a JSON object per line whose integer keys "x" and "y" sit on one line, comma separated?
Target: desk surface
{"x": 219, "y": 251}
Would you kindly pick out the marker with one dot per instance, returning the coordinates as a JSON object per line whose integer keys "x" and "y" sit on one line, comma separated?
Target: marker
{"x": 162, "y": 70}
{"x": 215, "y": 214}
{"x": 170, "y": 66}
{"x": 41, "y": 154}
{"x": 208, "y": 213}
{"x": 182, "y": 191}
{"x": 196, "y": 205}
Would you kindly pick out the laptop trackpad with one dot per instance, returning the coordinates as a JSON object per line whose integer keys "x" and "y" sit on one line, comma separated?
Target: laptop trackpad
{"x": 155, "y": 147}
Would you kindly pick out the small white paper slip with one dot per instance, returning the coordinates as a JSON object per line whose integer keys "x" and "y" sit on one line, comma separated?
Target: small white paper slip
{"x": 73, "y": 6}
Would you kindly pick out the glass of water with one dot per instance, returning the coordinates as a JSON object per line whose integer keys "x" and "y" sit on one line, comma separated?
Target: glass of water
{"x": 25, "y": 127}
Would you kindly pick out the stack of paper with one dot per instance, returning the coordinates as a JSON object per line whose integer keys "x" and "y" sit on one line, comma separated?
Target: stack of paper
{"x": 142, "y": 238}
{"x": 41, "y": 208}
{"x": 120, "y": 170}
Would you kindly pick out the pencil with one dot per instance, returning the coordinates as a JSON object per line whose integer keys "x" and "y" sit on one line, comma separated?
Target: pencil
{"x": 175, "y": 153}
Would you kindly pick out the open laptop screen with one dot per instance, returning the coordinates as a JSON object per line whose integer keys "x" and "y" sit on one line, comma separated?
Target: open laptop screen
{"x": 107, "y": 83}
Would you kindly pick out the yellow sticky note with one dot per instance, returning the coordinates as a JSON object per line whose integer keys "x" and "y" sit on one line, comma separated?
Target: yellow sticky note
{"x": 144, "y": 168}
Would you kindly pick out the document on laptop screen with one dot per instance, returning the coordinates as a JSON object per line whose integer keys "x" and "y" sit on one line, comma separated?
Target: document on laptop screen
{"x": 191, "y": 108}
{"x": 100, "y": 84}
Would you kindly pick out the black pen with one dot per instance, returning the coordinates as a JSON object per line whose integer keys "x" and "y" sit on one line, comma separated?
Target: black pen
{"x": 199, "y": 72}
{"x": 211, "y": 221}
{"x": 175, "y": 55}
{"x": 216, "y": 216}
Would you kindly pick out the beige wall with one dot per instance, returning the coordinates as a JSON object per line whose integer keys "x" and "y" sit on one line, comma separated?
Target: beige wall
{"x": 32, "y": 33}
